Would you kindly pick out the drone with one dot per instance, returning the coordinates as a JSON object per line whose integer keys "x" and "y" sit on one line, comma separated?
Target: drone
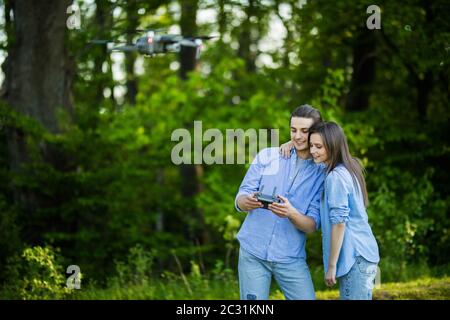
{"x": 153, "y": 43}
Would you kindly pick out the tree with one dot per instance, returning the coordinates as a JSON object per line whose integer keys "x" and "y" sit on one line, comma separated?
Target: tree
{"x": 191, "y": 174}
{"x": 38, "y": 75}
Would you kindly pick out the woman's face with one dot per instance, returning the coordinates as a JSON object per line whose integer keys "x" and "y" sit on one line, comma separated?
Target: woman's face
{"x": 317, "y": 148}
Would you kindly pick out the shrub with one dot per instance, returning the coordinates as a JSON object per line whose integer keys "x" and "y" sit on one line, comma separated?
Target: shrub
{"x": 35, "y": 274}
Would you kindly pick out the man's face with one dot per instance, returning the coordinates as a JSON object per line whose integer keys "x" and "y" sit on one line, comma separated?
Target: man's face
{"x": 299, "y": 132}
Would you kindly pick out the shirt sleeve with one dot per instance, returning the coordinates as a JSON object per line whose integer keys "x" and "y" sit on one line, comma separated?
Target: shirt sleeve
{"x": 252, "y": 178}
{"x": 313, "y": 210}
{"x": 338, "y": 194}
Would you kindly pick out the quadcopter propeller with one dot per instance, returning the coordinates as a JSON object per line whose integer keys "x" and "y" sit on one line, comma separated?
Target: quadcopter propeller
{"x": 141, "y": 30}
{"x": 96, "y": 41}
{"x": 150, "y": 29}
{"x": 124, "y": 48}
{"x": 101, "y": 41}
{"x": 172, "y": 38}
{"x": 205, "y": 37}
{"x": 188, "y": 43}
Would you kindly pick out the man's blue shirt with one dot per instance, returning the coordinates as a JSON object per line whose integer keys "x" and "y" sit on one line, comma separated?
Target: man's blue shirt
{"x": 264, "y": 234}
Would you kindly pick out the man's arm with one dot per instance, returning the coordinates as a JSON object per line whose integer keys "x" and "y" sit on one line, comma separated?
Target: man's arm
{"x": 287, "y": 210}
{"x": 245, "y": 199}
{"x": 303, "y": 222}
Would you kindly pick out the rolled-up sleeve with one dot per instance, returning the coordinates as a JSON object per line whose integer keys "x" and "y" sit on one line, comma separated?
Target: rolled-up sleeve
{"x": 314, "y": 208}
{"x": 337, "y": 198}
{"x": 252, "y": 178}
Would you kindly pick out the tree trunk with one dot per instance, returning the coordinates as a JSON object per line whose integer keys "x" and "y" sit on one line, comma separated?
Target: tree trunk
{"x": 245, "y": 38}
{"x": 363, "y": 71}
{"x": 424, "y": 87}
{"x": 222, "y": 20}
{"x": 103, "y": 21}
{"x": 189, "y": 185}
{"x": 425, "y": 84}
{"x": 191, "y": 174}
{"x": 38, "y": 75}
{"x": 131, "y": 8}
{"x": 188, "y": 27}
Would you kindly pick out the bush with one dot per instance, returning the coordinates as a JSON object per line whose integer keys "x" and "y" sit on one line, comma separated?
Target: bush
{"x": 136, "y": 270}
{"x": 35, "y": 274}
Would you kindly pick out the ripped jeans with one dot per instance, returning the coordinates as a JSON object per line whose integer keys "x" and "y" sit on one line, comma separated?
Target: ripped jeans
{"x": 255, "y": 276}
{"x": 358, "y": 283}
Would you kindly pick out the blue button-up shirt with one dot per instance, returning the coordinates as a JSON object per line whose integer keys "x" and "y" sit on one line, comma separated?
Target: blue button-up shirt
{"x": 343, "y": 202}
{"x": 264, "y": 234}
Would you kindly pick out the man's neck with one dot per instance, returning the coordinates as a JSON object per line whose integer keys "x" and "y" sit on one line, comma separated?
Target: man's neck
{"x": 303, "y": 154}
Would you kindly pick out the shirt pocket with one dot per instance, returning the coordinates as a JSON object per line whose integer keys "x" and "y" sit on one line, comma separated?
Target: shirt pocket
{"x": 268, "y": 185}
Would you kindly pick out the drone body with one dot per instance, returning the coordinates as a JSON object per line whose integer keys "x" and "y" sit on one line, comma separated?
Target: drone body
{"x": 152, "y": 44}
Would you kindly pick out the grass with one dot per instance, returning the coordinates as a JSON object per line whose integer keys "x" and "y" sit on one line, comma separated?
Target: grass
{"x": 202, "y": 289}
{"x": 420, "y": 289}
{"x": 135, "y": 279}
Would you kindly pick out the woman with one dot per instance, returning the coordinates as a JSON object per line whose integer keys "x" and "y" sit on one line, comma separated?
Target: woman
{"x": 350, "y": 251}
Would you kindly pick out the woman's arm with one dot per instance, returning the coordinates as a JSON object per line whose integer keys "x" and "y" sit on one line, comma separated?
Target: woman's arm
{"x": 337, "y": 236}
{"x": 337, "y": 191}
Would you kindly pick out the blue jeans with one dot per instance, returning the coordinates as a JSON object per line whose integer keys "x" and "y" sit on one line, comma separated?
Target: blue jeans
{"x": 255, "y": 276}
{"x": 358, "y": 283}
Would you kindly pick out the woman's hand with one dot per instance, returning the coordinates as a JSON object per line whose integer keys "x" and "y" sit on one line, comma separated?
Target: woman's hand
{"x": 285, "y": 149}
{"x": 283, "y": 210}
{"x": 330, "y": 277}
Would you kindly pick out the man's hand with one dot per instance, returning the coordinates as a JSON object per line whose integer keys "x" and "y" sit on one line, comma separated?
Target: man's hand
{"x": 247, "y": 202}
{"x": 287, "y": 210}
{"x": 330, "y": 277}
{"x": 283, "y": 210}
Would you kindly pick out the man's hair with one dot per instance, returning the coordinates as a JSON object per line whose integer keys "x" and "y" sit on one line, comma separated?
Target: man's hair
{"x": 307, "y": 111}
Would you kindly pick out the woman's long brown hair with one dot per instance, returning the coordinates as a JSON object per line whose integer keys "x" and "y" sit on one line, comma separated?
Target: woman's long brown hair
{"x": 336, "y": 145}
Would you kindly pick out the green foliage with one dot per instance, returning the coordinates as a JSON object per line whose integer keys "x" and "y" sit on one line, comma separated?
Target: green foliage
{"x": 10, "y": 239}
{"x": 221, "y": 283}
{"x": 109, "y": 182}
{"x": 36, "y": 274}
{"x": 136, "y": 270}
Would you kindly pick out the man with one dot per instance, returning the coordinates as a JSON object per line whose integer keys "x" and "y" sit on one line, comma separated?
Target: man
{"x": 273, "y": 242}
